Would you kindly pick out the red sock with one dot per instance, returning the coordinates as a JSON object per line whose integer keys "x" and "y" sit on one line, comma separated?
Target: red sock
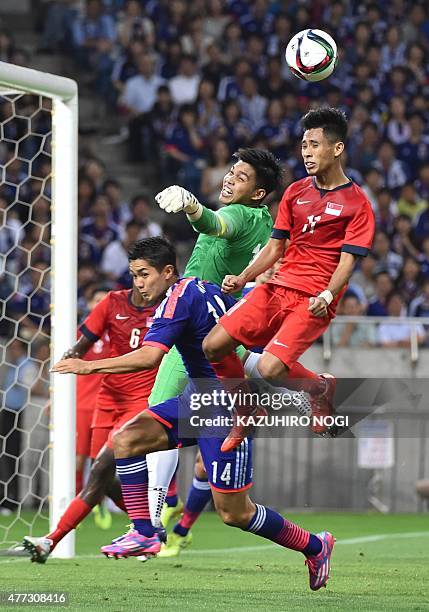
{"x": 188, "y": 518}
{"x": 79, "y": 481}
{"x": 230, "y": 367}
{"x": 292, "y": 536}
{"x": 75, "y": 513}
{"x": 172, "y": 489}
{"x": 308, "y": 381}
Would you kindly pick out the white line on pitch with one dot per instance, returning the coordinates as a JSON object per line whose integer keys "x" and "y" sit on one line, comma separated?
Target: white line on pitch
{"x": 244, "y": 549}
{"x": 346, "y": 541}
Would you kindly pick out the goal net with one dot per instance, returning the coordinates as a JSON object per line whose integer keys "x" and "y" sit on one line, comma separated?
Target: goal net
{"x": 38, "y": 229}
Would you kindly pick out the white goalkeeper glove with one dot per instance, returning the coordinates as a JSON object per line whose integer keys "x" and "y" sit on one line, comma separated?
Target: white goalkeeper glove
{"x": 175, "y": 198}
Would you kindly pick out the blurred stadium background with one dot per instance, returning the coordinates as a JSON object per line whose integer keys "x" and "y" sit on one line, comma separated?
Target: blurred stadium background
{"x": 168, "y": 90}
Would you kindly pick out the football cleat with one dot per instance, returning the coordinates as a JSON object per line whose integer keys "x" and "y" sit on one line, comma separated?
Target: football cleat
{"x": 323, "y": 405}
{"x": 304, "y": 406}
{"x": 39, "y": 548}
{"x": 170, "y": 512}
{"x": 175, "y": 544}
{"x": 132, "y": 544}
{"x": 240, "y": 431}
{"x": 162, "y": 534}
{"x": 320, "y": 565}
{"x": 119, "y": 538}
{"x": 102, "y": 517}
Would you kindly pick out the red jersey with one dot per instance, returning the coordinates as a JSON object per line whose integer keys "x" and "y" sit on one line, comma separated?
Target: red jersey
{"x": 126, "y": 326}
{"x": 320, "y": 224}
{"x": 87, "y": 386}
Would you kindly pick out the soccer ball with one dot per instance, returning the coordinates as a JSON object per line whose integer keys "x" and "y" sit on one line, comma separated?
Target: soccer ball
{"x": 311, "y": 55}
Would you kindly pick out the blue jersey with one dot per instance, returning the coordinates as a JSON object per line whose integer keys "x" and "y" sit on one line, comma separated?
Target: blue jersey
{"x": 189, "y": 311}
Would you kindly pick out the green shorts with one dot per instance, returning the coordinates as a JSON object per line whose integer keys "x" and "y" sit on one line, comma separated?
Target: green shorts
{"x": 171, "y": 378}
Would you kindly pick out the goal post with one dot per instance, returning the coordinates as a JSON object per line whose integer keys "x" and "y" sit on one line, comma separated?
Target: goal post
{"x": 64, "y": 227}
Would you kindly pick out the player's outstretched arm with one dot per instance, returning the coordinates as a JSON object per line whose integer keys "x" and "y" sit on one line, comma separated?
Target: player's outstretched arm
{"x": 80, "y": 349}
{"x": 145, "y": 358}
{"x": 266, "y": 257}
{"x": 341, "y": 276}
{"x": 175, "y": 199}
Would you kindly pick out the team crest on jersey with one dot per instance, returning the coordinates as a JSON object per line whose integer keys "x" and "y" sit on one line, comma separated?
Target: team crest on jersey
{"x": 333, "y": 209}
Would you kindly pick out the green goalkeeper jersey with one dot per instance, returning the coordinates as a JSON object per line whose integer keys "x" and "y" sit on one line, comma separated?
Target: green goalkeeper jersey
{"x": 229, "y": 239}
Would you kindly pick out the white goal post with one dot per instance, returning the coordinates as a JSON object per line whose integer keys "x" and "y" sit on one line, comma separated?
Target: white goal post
{"x": 64, "y": 95}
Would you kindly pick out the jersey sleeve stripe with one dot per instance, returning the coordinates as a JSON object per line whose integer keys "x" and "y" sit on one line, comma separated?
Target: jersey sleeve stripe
{"x": 88, "y": 333}
{"x": 223, "y": 226}
{"x": 177, "y": 292}
{"x": 355, "y": 250}
{"x": 280, "y": 234}
{"x": 163, "y": 347}
{"x": 158, "y": 418}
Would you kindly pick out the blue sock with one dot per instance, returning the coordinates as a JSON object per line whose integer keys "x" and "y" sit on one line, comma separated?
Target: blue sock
{"x": 199, "y": 495}
{"x": 269, "y": 524}
{"x": 171, "y": 500}
{"x": 132, "y": 472}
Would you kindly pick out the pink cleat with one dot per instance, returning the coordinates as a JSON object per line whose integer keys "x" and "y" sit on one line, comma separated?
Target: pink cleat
{"x": 132, "y": 544}
{"x": 319, "y": 565}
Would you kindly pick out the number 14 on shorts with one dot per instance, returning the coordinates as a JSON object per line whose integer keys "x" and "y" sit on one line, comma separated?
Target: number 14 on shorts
{"x": 225, "y": 476}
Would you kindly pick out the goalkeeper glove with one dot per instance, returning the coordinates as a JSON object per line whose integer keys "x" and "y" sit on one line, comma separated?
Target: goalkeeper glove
{"x": 175, "y": 198}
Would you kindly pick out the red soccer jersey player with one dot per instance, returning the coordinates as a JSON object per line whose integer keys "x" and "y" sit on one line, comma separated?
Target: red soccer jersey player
{"x": 86, "y": 395}
{"x": 120, "y": 397}
{"x": 330, "y": 223}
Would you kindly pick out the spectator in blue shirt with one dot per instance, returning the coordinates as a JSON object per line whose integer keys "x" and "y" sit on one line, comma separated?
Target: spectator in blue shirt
{"x": 93, "y": 35}
{"x": 184, "y": 149}
{"x": 421, "y": 229}
{"x": 377, "y": 306}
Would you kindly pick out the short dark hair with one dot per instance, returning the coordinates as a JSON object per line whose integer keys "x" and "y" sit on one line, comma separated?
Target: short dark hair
{"x": 138, "y": 197}
{"x": 97, "y": 289}
{"x": 111, "y": 182}
{"x": 394, "y": 294}
{"x": 156, "y": 251}
{"x": 350, "y": 295}
{"x": 267, "y": 168}
{"x": 333, "y": 122}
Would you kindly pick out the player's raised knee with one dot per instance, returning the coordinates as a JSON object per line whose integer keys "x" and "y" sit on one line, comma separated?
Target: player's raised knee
{"x": 122, "y": 442}
{"x": 218, "y": 343}
{"x": 271, "y": 368}
{"x": 212, "y": 349}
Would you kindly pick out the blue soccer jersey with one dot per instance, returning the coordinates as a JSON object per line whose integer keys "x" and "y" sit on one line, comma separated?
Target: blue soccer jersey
{"x": 187, "y": 314}
{"x": 190, "y": 310}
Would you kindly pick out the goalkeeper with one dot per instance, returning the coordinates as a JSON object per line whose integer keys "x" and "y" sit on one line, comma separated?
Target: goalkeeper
{"x": 229, "y": 239}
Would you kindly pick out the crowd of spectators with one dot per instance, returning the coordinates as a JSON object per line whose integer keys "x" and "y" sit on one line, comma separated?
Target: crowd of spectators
{"x": 193, "y": 81}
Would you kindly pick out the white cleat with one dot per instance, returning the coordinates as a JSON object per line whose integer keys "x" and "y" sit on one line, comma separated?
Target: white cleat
{"x": 39, "y": 548}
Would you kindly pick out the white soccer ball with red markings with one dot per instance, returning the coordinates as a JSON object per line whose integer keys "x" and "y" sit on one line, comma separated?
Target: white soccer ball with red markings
{"x": 311, "y": 55}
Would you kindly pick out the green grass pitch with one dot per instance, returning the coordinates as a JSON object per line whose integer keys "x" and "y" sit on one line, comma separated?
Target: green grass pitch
{"x": 226, "y": 569}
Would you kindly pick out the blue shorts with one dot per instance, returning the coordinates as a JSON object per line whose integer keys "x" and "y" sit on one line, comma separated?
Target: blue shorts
{"x": 227, "y": 472}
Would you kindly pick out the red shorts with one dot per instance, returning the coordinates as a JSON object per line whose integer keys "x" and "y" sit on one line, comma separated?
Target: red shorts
{"x": 83, "y": 431}
{"x": 106, "y": 421}
{"x": 276, "y": 318}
